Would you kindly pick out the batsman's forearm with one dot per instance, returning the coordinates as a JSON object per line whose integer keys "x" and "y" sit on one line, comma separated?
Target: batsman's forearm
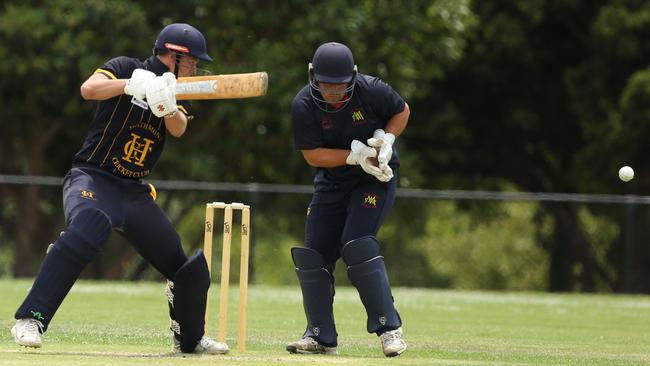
{"x": 398, "y": 122}
{"x": 177, "y": 124}
{"x": 98, "y": 87}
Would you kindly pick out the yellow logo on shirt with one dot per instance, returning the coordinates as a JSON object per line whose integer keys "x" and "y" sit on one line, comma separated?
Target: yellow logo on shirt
{"x": 137, "y": 150}
{"x": 357, "y": 116}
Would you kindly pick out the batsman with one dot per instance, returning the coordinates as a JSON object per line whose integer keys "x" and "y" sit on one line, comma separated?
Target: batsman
{"x": 345, "y": 124}
{"x": 104, "y": 190}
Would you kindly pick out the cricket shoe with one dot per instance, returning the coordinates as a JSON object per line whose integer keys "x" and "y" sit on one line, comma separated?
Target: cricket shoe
{"x": 27, "y": 332}
{"x": 205, "y": 345}
{"x": 392, "y": 342}
{"x": 310, "y": 346}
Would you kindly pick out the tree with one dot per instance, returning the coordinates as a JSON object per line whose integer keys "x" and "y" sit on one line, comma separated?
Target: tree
{"x": 47, "y": 50}
{"x": 52, "y": 46}
{"x": 535, "y": 103}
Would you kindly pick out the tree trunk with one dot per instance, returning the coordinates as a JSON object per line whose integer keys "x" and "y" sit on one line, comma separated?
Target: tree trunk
{"x": 573, "y": 266}
{"x": 31, "y": 239}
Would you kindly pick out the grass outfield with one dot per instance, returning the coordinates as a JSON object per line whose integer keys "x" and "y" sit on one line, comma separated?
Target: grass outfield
{"x": 119, "y": 323}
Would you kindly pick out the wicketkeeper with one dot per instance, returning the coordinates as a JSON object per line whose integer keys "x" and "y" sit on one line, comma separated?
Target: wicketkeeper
{"x": 345, "y": 124}
{"x": 104, "y": 190}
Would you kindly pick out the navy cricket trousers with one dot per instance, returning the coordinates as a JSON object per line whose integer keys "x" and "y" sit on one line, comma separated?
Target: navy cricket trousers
{"x": 339, "y": 213}
{"x": 94, "y": 202}
{"x": 132, "y": 211}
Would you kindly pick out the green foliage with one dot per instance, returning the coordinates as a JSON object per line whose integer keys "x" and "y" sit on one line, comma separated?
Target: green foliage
{"x": 533, "y": 104}
{"x": 49, "y": 50}
{"x": 406, "y": 44}
{"x": 633, "y": 117}
{"x": 425, "y": 243}
{"x": 271, "y": 257}
{"x": 600, "y": 232}
{"x": 547, "y": 96}
{"x": 6, "y": 261}
{"x": 477, "y": 251}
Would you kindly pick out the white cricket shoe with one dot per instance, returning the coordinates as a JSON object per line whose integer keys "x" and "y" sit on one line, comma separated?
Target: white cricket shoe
{"x": 392, "y": 342}
{"x": 27, "y": 332}
{"x": 309, "y": 345}
{"x": 205, "y": 345}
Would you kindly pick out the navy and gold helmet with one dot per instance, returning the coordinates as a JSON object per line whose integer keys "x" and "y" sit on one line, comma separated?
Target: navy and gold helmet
{"x": 184, "y": 39}
{"x": 332, "y": 63}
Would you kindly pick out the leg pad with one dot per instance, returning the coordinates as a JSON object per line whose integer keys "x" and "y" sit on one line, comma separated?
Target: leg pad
{"x": 190, "y": 289}
{"x": 317, "y": 285}
{"x": 367, "y": 272}
{"x": 360, "y": 250}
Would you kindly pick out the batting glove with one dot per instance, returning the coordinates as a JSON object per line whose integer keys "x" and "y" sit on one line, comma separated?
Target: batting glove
{"x": 137, "y": 84}
{"x": 161, "y": 95}
{"x": 384, "y": 142}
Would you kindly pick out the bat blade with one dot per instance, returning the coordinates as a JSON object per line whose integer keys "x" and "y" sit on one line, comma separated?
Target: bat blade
{"x": 226, "y": 86}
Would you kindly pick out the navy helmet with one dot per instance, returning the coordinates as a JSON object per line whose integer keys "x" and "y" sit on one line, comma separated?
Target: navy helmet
{"x": 332, "y": 63}
{"x": 184, "y": 39}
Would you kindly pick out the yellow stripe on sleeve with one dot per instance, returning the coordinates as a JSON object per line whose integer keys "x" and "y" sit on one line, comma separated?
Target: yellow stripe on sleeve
{"x": 106, "y": 72}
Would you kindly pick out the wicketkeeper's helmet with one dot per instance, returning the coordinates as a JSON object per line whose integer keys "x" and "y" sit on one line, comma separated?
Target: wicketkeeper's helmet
{"x": 184, "y": 39}
{"x": 333, "y": 64}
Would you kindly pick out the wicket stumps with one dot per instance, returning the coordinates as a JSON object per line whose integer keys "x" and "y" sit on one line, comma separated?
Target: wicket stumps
{"x": 225, "y": 266}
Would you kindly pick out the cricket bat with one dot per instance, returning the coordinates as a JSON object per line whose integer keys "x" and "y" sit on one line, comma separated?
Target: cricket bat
{"x": 227, "y": 86}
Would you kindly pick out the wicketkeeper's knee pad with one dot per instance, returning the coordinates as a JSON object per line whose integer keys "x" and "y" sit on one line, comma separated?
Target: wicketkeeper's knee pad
{"x": 84, "y": 237}
{"x": 317, "y": 285}
{"x": 367, "y": 272}
{"x": 188, "y": 296}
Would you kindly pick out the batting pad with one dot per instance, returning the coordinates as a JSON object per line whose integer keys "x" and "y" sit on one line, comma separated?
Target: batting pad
{"x": 191, "y": 283}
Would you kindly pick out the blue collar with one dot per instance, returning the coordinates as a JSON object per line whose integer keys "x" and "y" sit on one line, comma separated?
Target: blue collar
{"x": 156, "y": 66}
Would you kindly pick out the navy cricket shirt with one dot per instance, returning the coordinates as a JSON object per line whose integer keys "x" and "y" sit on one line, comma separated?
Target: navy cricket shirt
{"x": 372, "y": 105}
{"x": 125, "y": 138}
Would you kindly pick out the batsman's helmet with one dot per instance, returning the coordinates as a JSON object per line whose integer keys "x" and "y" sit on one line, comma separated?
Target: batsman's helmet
{"x": 184, "y": 39}
{"x": 333, "y": 64}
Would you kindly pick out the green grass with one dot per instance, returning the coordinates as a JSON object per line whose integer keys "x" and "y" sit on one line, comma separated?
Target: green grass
{"x": 116, "y": 323}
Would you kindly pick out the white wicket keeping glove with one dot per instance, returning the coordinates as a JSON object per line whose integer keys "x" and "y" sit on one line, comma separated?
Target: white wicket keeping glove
{"x": 384, "y": 142}
{"x": 161, "y": 96}
{"x": 361, "y": 154}
{"x": 136, "y": 85}
{"x": 386, "y": 174}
